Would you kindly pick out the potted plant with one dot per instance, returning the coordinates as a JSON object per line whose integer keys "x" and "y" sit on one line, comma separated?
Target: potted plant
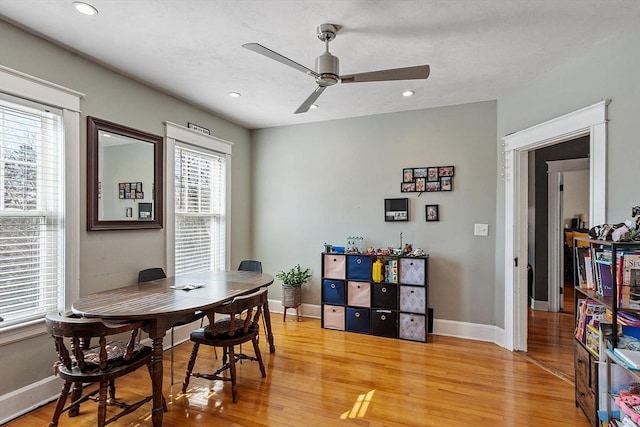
{"x": 292, "y": 281}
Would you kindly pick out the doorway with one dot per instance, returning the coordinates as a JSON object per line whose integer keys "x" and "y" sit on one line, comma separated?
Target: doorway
{"x": 589, "y": 121}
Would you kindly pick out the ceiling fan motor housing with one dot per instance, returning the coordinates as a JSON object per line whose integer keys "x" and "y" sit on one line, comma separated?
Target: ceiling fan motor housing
{"x": 327, "y": 66}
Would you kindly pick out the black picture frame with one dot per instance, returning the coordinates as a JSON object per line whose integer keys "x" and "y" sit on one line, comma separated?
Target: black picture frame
{"x": 432, "y": 173}
{"x": 407, "y": 175}
{"x": 446, "y": 183}
{"x": 446, "y": 171}
{"x": 408, "y": 187}
{"x": 145, "y": 211}
{"x": 396, "y": 210}
{"x": 432, "y": 213}
{"x": 427, "y": 179}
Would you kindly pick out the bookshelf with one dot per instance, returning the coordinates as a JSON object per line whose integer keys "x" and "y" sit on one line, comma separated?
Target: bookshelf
{"x": 602, "y": 287}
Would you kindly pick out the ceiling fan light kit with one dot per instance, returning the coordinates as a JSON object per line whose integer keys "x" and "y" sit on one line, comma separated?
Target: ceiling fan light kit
{"x": 327, "y": 72}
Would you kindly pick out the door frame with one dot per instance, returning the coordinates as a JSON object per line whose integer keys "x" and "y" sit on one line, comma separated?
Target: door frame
{"x": 592, "y": 121}
{"x": 555, "y": 239}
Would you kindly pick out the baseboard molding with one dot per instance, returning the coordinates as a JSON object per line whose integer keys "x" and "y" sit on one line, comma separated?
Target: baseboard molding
{"x": 539, "y": 305}
{"x": 28, "y": 398}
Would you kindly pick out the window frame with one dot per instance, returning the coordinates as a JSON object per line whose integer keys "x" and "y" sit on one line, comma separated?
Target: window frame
{"x": 179, "y": 134}
{"x": 25, "y": 87}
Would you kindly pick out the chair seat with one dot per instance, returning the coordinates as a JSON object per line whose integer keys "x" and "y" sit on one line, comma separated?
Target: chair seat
{"x": 117, "y": 367}
{"x": 223, "y": 338}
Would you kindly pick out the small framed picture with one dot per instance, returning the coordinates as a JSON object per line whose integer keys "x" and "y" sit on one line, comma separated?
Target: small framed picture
{"x": 407, "y": 175}
{"x": 139, "y": 195}
{"x": 432, "y": 174}
{"x": 433, "y": 186}
{"x": 445, "y": 183}
{"x": 445, "y": 171}
{"x": 121, "y": 193}
{"x": 419, "y": 172}
{"x": 396, "y": 209}
{"x": 408, "y": 187}
{"x": 431, "y": 212}
{"x": 421, "y": 184}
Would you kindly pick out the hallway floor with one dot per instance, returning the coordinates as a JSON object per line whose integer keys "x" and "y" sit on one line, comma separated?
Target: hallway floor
{"x": 550, "y": 338}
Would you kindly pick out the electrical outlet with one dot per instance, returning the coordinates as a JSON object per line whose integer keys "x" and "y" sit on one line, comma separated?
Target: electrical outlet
{"x": 481, "y": 230}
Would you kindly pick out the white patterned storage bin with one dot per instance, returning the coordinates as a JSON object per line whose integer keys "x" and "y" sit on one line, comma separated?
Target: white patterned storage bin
{"x": 412, "y": 271}
{"x": 413, "y": 327}
{"x": 413, "y": 299}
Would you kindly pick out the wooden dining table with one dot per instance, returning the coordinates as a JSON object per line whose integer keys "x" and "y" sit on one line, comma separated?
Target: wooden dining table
{"x": 162, "y": 303}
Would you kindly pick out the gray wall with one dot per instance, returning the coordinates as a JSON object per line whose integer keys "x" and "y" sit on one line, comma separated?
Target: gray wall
{"x": 322, "y": 182}
{"x": 113, "y": 258}
{"x": 609, "y": 71}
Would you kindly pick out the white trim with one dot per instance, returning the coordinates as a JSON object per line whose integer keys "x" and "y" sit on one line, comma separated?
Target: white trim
{"x": 590, "y": 120}
{"x": 28, "y": 398}
{"x": 179, "y": 134}
{"x": 32, "y": 88}
{"x": 25, "y": 86}
{"x": 539, "y": 305}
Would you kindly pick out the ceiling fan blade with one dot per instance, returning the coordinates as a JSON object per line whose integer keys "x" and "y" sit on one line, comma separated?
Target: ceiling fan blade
{"x": 310, "y": 100}
{"x": 258, "y": 48}
{"x": 407, "y": 73}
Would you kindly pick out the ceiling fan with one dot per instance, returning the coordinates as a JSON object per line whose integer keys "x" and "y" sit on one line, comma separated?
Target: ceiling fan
{"x": 326, "y": 73}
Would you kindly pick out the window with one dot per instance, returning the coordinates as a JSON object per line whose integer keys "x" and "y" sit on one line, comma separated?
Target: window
{"x": 200, "y": 205}
{"x": 39, "y": 203}
{"x": 31, "y": 211}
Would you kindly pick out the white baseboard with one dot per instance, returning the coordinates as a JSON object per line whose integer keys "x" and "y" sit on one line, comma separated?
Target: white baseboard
{"x": 539, "y": 305}
{"x": 26, "y": 399}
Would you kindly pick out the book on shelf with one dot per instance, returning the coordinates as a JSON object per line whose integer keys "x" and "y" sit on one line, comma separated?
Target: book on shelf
{"x": 588, "y": 272}
{"x": 604, "y": 278}
{"x": 590, "y": 313}
{"x": 630, "y": 279}
{"x": 630, "y": 357}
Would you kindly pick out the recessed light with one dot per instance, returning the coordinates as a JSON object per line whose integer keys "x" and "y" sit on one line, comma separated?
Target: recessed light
{"x": 408, "y": 93}
{"x": 313, "y": 106}
{"x": 85, "y": 8}
{"x": 234, "y": 94}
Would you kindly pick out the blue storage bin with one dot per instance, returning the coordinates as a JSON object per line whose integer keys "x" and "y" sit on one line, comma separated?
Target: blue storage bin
{"x": 333, "y": 292}
{"x": 358, "y": 320}
{"x": 359, "y": 267}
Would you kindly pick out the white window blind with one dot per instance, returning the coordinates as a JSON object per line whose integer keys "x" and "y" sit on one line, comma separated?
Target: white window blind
{"x": 200, "y": 182}
{"x": 31, "y": 211}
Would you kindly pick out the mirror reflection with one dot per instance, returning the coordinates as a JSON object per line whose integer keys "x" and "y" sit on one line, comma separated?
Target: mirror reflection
{"x": 124, "y": 177}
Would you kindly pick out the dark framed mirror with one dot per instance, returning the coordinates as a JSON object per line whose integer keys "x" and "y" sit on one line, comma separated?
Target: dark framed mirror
{"x": 124, "y": 177}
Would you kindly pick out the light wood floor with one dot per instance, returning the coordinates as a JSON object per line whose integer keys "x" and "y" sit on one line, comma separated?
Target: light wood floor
{"x": 320, "y": 377}
{"x": 550, "y": 338}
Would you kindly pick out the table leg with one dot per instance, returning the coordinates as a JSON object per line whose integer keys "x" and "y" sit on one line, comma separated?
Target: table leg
{"x": 156, "y": 382}
{"x": 267, "y": 321}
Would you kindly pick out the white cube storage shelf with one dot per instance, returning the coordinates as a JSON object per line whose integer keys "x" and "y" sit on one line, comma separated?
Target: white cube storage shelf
{"x": 397, "y": 307}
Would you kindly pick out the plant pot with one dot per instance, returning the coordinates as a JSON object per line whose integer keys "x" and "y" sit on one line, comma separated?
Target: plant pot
{"x": 291, "y": 296}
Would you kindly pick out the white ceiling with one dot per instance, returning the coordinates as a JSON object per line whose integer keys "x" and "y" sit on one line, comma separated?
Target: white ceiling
{"x": 478, "y": 50}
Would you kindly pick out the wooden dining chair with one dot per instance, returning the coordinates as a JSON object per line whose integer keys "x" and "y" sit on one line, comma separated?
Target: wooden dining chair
{"x": 250, "y": 265}
{"x": 253, "y": 265}
{"x": 155, "y": 273}
{"x": 80, "y": 363}
{"x": 240, "y": 325}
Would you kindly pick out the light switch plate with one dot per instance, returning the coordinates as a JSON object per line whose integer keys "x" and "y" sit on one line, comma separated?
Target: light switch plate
{"x": 481, "y": 230}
